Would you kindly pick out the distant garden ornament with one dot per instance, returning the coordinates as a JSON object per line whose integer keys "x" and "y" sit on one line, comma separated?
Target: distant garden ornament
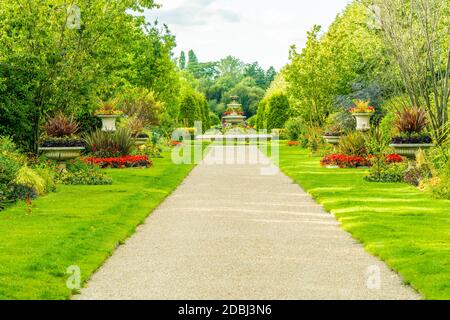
{"x": 109, "y": 114}
{"x": 362, "y": 112}
{"x": 234, "y": 114}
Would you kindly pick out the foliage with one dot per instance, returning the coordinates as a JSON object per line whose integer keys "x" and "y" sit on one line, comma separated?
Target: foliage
{"x": 294, "y": 128}
{"x": 438, "y": 186}
{"x": 353, "y": 144}
{"x": 110, "y": 144}
{"x": 88, "y": 177}
{"x": 80, "y": 173}
{"x": 48, "y": 175}
{"x": 261, "y": 121}
{"x": 29, "y": 178}
{"x": 10, "y": 163}
{"x": 334, "y": 125}
{"x": 142, "y": 104}
{"x": 377, "y": 143}
{"x": 46, "y": 65}
{"x": 393, "y": 172}
{"x": 61, "y": 126}
{"x": 362, "y": 106}
{"x": 151, "y": 150}
{"x": 411, "y": 121}
{"x": 108, "y": 108}
{"x": 417, "y": 33}
{"x": 218, "y": 80}
{"x": 312, "y": 138}
{"x": 193, "y": 107}
{"x": 278, "y": 111}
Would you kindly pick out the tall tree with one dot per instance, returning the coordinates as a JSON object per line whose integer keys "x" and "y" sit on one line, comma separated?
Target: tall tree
{"x": 182, "y": 60}
{"x": 418, "y": 34}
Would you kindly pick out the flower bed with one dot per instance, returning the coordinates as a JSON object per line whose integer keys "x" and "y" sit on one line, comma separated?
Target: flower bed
{"x": 394, "y": 158}
{"x": 122, "y": 162}
{"x": 174, "y": 143}
{"x": 293, "y": 143}
{"x": 346, "y": 161}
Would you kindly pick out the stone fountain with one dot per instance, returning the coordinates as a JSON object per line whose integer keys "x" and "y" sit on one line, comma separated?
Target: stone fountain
{"x": 234, "y": 114}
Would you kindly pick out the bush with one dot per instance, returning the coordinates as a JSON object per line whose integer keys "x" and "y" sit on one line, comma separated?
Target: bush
{"x": 261, "y": 115}
{"x": 47, "y": 174}
{"x": 10, "y": 163}
{"x": 110, "y": 144}
{"x": 29, "y": 178}
{"x": 252, "y": 121}
{"x": 89, "y": 177}
{"x": 313, "y": 139}
{"x": 353, "y": 144}
{"x": 294, "y": 128}
{"x": 438, "y": 186}
{"x": 393, "y": 172}
{"x": 22, "y": 192}
{"x": 80, "y": 173}
{"x": 214, "y": 119}
{"x": 277, "y": 111}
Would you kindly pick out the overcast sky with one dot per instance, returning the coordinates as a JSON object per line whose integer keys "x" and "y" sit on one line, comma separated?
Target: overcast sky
{"x": 252, "y": 30}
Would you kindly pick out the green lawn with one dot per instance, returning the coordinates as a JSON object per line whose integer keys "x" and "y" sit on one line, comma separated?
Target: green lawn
{"x": 403, "y": 226}
{"x": 77, "y": 225}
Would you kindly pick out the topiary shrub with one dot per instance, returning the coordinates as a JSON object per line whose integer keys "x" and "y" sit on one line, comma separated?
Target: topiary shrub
{"x": 294, "y": 128}
{"x": 277, "y": 111}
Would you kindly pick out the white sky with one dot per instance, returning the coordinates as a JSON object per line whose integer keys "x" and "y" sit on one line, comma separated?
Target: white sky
{"x": 252, "y": 30}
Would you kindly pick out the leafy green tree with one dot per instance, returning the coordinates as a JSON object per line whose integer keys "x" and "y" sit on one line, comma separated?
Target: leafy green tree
{"x": 249, "y": 94}
{"x": 65, "y": 67}
{"x": 277, "y": 112}
{"x": 349, "y": 55}
{"x": 261, "y": 121}
{"x": 257, "y": 73}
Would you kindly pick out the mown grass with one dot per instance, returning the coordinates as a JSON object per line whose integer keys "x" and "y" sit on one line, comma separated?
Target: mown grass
{"x": 77, "y": 225}
{"x": 403, "y": 226}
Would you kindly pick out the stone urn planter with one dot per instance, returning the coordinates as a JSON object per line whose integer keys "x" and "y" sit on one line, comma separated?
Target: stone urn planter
{"x": 409, "y": 149}
{"x": 109, "y": 121}
{"x": 362, "y": 121}
{"x": 61, "y": 153}
{"x": 333, "y": 140}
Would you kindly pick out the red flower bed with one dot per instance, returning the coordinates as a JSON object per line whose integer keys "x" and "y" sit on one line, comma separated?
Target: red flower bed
{"x": 394, "y": 158}
{"x": 293, "y": 143}
{"x": 122, "y": 162}
{"x": 345, "y": 161}
{"x": 175, "y": 143}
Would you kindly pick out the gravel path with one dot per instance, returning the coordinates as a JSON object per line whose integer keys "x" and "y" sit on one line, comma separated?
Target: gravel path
{"x": 229, "y": 232}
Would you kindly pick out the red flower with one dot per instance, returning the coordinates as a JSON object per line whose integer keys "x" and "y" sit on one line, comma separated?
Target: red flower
{"x": 175, "y": 143}
{"x": 126, "y": 161}
{"x": 394, "y": 158}
{"x": 293, "y": 143}
{"x": 344, "y": 161}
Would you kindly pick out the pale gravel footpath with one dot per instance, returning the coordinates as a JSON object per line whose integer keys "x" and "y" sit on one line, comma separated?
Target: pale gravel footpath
{"x": 229, "y": 232}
